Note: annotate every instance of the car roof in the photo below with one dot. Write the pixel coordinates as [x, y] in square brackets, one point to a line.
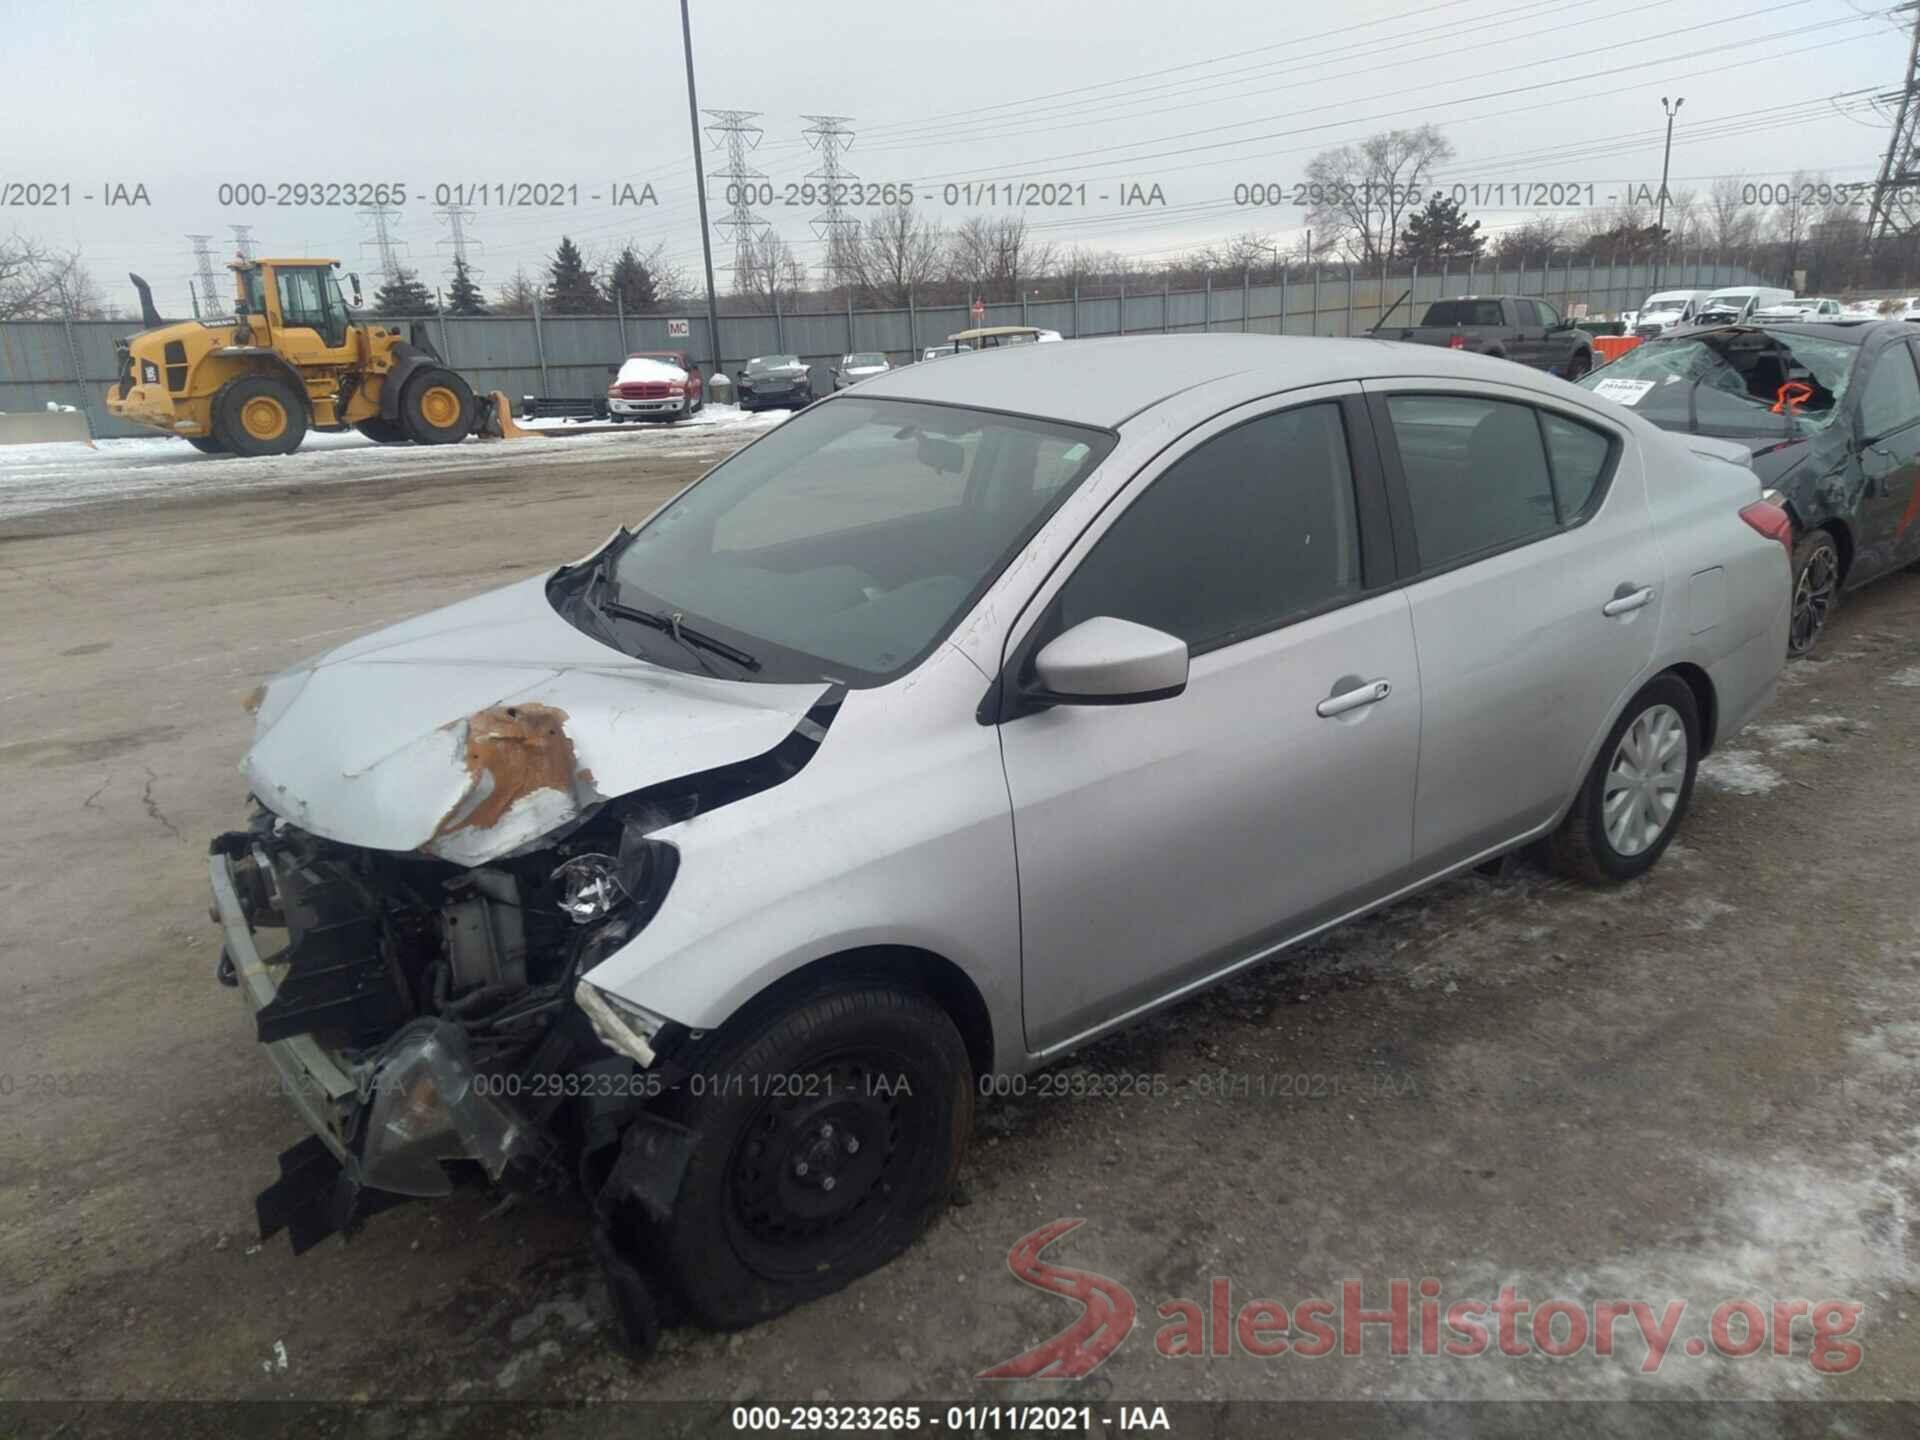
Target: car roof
[1107, 381]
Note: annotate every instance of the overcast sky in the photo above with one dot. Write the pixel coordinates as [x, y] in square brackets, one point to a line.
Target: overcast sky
[1193, 97]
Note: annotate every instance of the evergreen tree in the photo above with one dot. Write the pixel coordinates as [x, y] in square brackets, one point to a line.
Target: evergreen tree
[463, 296]
[1441, 231]
[403, 295]
[630, 284]
[571, 287]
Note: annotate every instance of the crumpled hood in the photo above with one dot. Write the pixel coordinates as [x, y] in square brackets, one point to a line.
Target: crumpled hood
[470, 731]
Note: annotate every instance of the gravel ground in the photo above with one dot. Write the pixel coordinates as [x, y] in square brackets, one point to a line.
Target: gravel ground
[1702, 1087]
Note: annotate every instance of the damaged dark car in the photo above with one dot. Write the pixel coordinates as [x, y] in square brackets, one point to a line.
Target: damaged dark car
[1831, 414]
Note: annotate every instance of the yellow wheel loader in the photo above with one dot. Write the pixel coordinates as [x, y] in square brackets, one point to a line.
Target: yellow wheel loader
[293, 358]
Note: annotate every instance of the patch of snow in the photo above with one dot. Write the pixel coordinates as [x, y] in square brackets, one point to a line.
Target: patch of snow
[640, 368]
[1907, 679]
[1738, 771]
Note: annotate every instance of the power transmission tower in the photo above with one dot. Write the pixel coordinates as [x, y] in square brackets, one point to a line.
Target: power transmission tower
[458, 240]
[385, 246]
[242, 240]
[830, 137]
[734, 130]
[210, 300]
[1896, 204]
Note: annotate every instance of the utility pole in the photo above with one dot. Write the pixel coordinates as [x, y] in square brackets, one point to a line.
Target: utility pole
[700, 188]
[209, 286]
[735, 130]
[242, 240]
[1893, 209]
[829, 135]
[1665, 158]
[458, 240]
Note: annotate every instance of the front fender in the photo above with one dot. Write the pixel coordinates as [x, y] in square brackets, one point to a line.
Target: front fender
[897, 833]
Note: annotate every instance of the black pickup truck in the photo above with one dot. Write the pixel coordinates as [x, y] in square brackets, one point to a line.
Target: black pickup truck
[1513, 327]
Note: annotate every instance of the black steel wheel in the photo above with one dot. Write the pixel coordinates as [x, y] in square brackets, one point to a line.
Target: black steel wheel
[830, 1131]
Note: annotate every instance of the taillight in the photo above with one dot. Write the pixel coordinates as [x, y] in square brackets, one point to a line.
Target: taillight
[1456, 342]
[1769, 516]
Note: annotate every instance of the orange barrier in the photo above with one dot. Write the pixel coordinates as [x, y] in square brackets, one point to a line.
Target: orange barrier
[1614, 346]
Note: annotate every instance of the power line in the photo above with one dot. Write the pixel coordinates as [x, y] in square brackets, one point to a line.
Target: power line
[209, 297]
[242, 240]
[385, 246]
[735, 131]
[1893, 197]
[458, 240]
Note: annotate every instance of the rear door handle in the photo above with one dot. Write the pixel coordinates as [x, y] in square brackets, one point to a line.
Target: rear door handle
[1372, 693]
[1633, 600]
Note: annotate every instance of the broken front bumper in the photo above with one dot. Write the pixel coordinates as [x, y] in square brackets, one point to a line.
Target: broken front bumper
[319, 1087]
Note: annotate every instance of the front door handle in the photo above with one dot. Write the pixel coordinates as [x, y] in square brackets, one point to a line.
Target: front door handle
[1371, 693]
[1621, 603]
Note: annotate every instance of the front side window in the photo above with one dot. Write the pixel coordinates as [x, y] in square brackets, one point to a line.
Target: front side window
[1476, 474]
[845, 543]
[300, 302]
[1891, 400]
[1254, 526]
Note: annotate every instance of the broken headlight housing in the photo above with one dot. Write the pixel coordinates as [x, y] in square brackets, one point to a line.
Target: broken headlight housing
[427, 1108]
[592, 887]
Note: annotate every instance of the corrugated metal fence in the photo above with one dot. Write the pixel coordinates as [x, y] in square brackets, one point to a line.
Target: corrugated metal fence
[571, 356]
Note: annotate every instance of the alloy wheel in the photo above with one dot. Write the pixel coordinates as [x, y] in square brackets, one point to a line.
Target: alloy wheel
[1813, 598]
[1644, 780]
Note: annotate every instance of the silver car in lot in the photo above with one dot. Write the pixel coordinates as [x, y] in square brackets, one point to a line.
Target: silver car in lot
[864, 365]
[953, 723]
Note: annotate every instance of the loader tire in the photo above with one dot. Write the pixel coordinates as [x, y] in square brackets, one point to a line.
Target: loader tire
[437, 408]
[383, 432]
[259, 415]
[207, 445]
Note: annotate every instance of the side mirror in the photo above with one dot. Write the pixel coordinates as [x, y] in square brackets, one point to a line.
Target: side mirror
[1108, 661]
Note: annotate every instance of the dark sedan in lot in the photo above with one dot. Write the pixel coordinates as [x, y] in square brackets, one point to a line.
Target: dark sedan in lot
[1831, 413]
[775, 381]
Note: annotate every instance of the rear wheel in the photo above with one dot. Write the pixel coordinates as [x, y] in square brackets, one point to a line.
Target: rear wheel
[1816, 589]
[830, 1132]
[206, 445]
[437, 407]
[1636, 794]
[259, 415]
[383, 432]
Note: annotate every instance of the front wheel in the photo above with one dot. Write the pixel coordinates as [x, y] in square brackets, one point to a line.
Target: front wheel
[1579, 365]
[437, 408]
[1816, 589]
[207, 445]
[1634, 797]
[830, 1132]
[382, 432]
[259, 415]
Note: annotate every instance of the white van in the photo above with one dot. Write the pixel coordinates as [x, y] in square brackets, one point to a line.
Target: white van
[1738, 302]
[1668, 309]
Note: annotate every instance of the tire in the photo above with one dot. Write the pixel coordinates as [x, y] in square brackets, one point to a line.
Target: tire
[1816, 590]
[616, 417]
[383, 432]
[436, 407]
[207, 445]
[259, 415]
[800, 1102]
[1579, 365]
[699, 404]
[1586, 847]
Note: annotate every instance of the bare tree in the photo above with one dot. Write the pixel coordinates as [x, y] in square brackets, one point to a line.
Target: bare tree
[1792, 218]
[772, 279]
[1727, 220]
[996, 257]
[38, 282]
[518, 295]
[897, 254]
[1531, 243]
[1363, 193]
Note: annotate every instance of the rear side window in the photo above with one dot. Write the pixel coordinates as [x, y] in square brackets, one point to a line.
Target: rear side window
[1476, 474]
[1578, 457]
[1250, 528]
[1891, 400]
[1463, 312]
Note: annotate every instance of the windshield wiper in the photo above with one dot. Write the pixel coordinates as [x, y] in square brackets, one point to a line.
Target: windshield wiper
[689, 638]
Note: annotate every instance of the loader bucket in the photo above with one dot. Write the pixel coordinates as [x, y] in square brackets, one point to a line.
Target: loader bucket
[495, 420]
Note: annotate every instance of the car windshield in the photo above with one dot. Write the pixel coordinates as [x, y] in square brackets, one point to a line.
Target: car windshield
[846, 543]
[856, 362]
[761, 364]
[1656, 307]
[1731, 382]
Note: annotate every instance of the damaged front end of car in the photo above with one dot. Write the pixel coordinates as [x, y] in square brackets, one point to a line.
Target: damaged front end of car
[427, 1012]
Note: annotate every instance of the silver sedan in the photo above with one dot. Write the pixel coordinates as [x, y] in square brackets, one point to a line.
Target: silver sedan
[958, 720]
